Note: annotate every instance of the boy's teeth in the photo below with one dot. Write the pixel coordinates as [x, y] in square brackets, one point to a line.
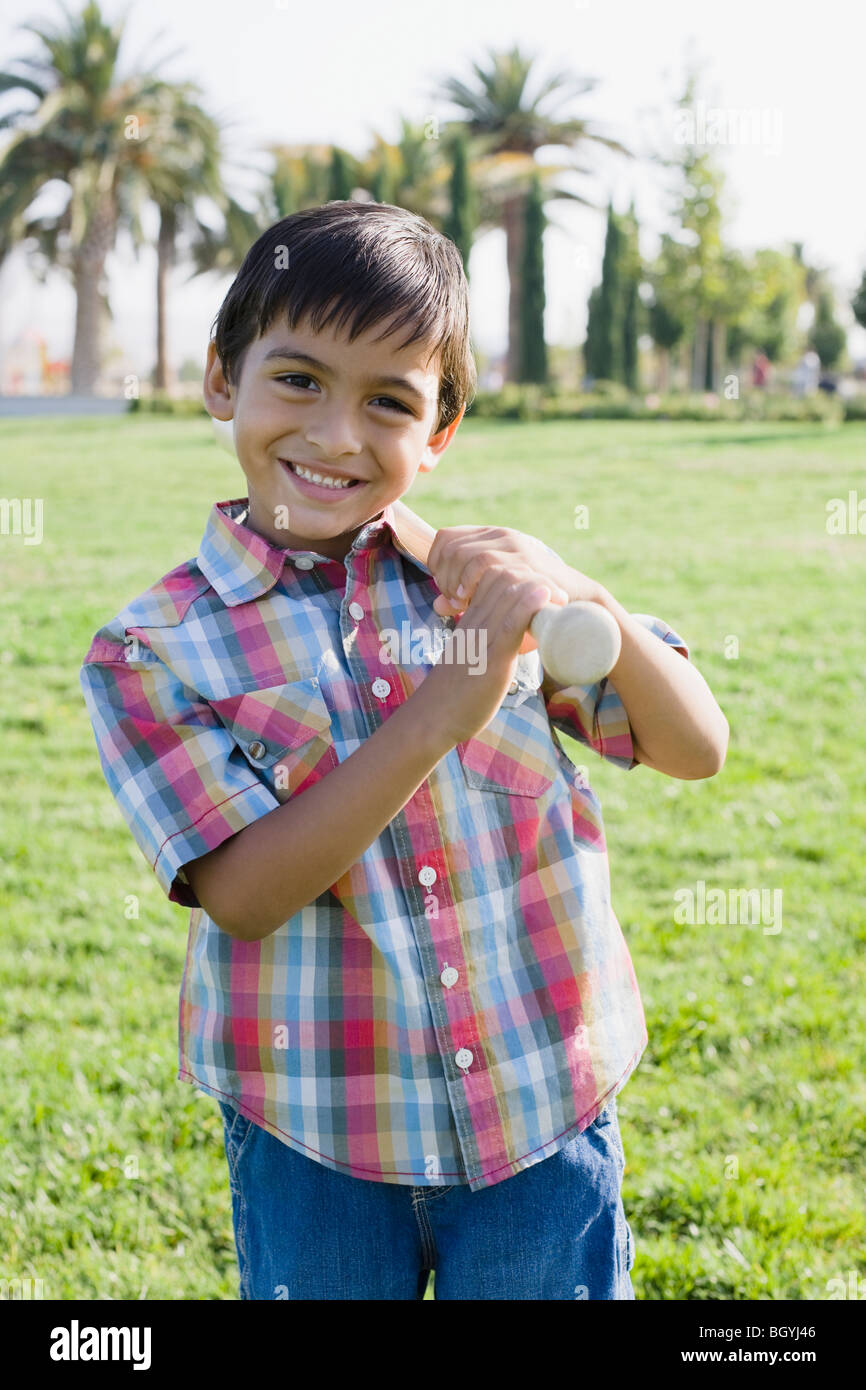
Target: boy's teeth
[317, 478]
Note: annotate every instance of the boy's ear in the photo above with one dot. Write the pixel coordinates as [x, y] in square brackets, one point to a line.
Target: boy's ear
[216, 390]
[438, 443]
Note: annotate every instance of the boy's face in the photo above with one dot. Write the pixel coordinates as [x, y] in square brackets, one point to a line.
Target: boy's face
[336, 415]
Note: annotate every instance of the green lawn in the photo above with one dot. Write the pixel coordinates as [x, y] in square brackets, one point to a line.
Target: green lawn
[743, 1124]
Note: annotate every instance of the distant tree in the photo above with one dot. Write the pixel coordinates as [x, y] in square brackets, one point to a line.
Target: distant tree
[768, 322]
[461, 217]
[604, 350]
[380, 184]
[615, 309]
[509, 124]
[632, 307]
[340, 180]
[180, 166]
[101, 134]
[591, 342]
[812, 274]
[666, 329]
[703, 282]
[412, 173]
[826, 336]
[301, 178]
[858, 303]
[533, 352]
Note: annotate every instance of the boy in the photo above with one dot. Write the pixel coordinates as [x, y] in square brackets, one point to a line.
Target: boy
[405, 984]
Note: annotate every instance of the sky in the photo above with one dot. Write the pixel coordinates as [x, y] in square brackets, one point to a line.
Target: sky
[279, 71]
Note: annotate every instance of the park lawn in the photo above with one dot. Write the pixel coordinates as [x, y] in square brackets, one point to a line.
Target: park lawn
[742, 1124]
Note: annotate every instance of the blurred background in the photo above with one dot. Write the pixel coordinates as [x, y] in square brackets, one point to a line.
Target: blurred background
[661, 200]
[661, 214]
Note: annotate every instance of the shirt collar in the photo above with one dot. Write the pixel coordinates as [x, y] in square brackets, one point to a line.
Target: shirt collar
[241, 565]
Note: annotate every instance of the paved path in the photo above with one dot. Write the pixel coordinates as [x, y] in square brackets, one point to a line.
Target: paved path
[63, 405]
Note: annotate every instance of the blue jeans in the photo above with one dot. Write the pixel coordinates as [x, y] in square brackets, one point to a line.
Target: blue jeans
[556, 1230]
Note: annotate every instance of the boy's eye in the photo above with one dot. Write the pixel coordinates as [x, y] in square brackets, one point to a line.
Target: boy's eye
[294, 377]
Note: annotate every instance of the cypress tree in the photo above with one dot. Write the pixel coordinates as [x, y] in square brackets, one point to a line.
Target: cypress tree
[858, 303]
[339, 177]
[590, 347]
[379, 184]
[614, 309]
[533, 351]
[604, 348]
[460, 220]
[631, 302]
[826, 336]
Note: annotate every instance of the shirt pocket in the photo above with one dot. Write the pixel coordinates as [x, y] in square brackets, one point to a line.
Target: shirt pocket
[283, 732]
[515, 753]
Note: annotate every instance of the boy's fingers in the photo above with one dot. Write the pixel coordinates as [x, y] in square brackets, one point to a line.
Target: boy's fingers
[443, 606]
[459, 601]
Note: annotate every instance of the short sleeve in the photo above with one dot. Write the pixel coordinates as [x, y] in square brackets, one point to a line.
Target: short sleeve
[174, 770]
[594, 714]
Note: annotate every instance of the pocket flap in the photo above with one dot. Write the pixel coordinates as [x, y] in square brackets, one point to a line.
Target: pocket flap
[270, 722]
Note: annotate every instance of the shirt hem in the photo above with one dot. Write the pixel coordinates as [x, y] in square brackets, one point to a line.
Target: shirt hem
[407, 1177]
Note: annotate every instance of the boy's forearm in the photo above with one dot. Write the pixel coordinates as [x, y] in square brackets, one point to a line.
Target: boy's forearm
[676, 722]
[269, 870]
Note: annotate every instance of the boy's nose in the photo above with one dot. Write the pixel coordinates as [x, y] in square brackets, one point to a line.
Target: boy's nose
[335, 439]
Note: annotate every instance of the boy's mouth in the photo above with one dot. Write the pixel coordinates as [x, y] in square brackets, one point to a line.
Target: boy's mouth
[329, 485]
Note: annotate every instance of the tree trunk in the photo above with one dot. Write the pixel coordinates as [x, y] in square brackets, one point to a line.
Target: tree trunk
[664, 371]
[514, 221]
[88, 276]
[164, 262]
[720, 334]
[699, 355]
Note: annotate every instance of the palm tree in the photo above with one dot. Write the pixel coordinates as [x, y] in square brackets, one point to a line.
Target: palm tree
[411, 172]
[112, 140]
[508, 126]
[178, 162]
[300, 178]
[75, 134]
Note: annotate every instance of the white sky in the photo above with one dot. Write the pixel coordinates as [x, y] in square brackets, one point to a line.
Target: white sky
[285, 71]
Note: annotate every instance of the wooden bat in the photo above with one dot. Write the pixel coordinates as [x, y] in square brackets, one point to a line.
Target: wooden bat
[578, 643]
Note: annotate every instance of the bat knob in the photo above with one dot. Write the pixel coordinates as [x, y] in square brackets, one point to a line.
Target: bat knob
[578, 643]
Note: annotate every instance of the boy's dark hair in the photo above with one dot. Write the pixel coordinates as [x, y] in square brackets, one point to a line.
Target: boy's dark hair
[358, 263]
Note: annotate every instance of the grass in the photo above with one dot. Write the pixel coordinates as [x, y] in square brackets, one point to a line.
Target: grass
[742, 1125]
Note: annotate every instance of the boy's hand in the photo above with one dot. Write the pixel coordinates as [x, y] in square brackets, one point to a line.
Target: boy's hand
[462, 696]
[461, 555]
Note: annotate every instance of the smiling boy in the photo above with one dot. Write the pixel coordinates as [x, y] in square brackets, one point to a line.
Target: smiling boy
[276, 429]
[405, 983]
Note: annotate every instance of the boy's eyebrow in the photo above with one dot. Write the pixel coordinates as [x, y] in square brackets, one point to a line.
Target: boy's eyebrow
[399, 381]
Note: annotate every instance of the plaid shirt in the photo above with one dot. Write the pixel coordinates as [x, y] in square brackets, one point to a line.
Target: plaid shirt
[461, 1003]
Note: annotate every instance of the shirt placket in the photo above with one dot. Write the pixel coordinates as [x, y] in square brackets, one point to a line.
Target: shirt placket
[422, 865]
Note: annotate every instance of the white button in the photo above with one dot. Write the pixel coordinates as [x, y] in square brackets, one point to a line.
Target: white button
[380, 688]
[513, 688]
[257, 749]
[304, 562]
[463, 1058]
[449, 976]
[356, 610]
[427, 875]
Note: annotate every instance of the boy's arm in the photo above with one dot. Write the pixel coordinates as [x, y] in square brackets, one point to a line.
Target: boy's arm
[677, 725]
[255, 881]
